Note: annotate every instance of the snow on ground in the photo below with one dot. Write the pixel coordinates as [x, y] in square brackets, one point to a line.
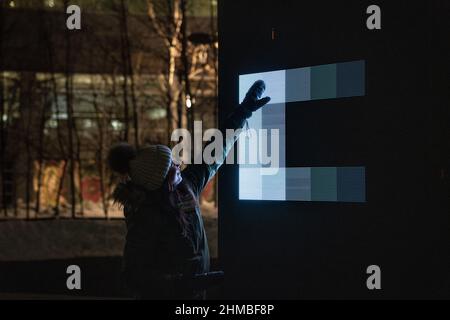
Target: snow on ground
[90, 210]
[60, 239]
[25, 240]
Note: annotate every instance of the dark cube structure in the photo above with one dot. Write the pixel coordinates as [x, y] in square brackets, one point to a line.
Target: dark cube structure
[398, 130]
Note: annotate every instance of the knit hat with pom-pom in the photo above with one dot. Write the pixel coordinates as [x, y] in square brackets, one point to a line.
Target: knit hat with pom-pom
[147, 167]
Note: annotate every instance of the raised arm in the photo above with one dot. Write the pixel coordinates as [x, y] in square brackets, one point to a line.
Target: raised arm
[200, 174]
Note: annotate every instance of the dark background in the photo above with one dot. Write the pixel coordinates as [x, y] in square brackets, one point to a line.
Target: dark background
[272, 249]
[342, 143]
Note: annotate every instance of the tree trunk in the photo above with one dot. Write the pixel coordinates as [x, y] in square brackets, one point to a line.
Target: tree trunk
[70, 120]
[2, 122]
[26, 108]
[80, 173]
[169, 31]
[124, 73]
[213, 27]
[128, 68]
[60, 188]
[40, 159]
[100, 156]
[186, 67]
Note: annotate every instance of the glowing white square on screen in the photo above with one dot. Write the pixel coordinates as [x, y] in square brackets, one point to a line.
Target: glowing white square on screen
[275, 85]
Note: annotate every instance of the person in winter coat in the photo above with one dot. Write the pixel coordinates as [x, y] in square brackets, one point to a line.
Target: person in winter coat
[166, 248]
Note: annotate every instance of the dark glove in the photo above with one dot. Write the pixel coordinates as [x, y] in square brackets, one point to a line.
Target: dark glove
[252, 100]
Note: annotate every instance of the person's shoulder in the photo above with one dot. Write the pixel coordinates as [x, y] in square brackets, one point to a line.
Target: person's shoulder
[197, 175]
[188, 176]
[186, 173]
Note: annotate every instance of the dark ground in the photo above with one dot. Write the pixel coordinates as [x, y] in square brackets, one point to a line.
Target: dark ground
[34, 256]
[100, 279]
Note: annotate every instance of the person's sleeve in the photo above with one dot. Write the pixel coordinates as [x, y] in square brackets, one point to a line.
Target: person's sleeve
[200, 174]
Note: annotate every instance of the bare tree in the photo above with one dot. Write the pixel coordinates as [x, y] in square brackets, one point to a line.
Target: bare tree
[70, 120]
[140, 72]
[168, 28]
[185, 62]
[128, 72]
[102, 127]
[40, 152]
[12, 85]
[2, 118]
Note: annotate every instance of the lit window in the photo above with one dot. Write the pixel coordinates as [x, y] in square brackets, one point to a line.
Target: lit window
[52, 123]
[88, 123]
[117, 125]
[157, 113]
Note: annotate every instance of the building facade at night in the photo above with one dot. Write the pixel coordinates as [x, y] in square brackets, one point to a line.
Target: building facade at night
[68, 95]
